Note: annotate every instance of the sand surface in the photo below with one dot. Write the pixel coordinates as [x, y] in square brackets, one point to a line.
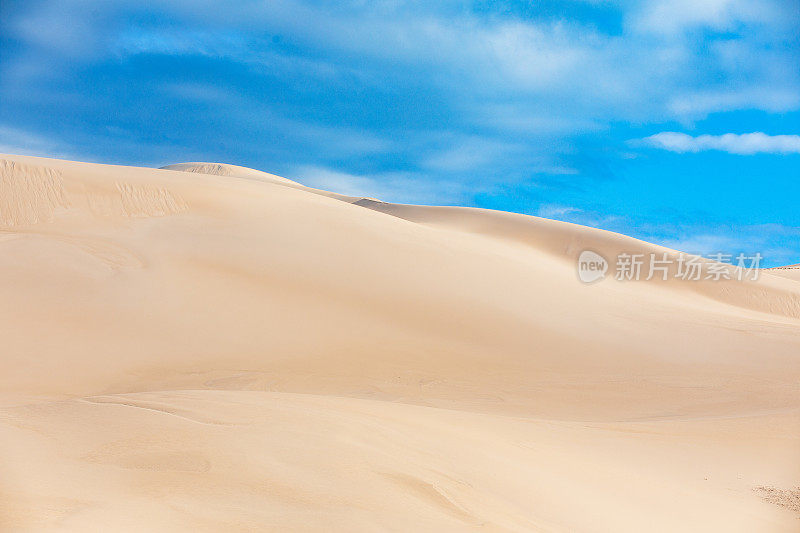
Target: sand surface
[790, 272]
[213, 348]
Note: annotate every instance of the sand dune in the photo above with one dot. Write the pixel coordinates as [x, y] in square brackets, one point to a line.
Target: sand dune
[209, 347]
[789, 272]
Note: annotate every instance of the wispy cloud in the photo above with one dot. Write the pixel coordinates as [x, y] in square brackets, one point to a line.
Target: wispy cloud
[483, 61]
[470, 153]
[698, 103]
[556, 211]
[398, 187]
[675, 16]
[741, 144]
[20, 142]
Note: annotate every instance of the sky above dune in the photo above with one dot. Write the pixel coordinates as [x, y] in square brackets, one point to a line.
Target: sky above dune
[674, 121]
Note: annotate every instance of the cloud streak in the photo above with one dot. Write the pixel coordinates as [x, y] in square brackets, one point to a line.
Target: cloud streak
[740, 144]
[397, 187]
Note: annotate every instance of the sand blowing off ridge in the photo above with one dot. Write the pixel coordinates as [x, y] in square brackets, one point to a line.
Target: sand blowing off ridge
[213, 348]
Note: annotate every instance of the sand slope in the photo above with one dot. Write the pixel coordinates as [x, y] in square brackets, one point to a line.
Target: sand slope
[790, 272]
[207, 347]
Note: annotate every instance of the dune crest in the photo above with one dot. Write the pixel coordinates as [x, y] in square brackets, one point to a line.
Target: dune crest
[212, 347]
[222, 169]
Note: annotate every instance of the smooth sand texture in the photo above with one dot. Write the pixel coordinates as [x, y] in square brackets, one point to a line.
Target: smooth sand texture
[211, 348]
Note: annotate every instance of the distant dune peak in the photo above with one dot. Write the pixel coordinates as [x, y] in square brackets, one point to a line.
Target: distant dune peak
[224, 169]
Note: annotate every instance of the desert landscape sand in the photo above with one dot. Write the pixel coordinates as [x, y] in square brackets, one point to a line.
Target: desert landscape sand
[212, 348]
[791, 271]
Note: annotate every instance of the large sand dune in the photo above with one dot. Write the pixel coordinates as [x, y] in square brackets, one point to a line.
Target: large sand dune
[212, 348]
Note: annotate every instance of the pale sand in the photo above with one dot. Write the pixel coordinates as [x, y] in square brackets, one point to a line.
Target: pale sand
[184, 351]
[791, 272]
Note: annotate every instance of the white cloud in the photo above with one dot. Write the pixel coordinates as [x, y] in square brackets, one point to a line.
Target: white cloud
[471, 153]
[776, 98]
[14, 141]
[207, 43]
[704, 244]
[480, 62]
[398, 187]
[556, 211]
[672, 16]
[335, 181]
[742, 144]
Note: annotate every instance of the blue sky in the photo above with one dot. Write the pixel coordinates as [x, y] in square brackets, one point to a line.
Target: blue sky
[675, 121]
